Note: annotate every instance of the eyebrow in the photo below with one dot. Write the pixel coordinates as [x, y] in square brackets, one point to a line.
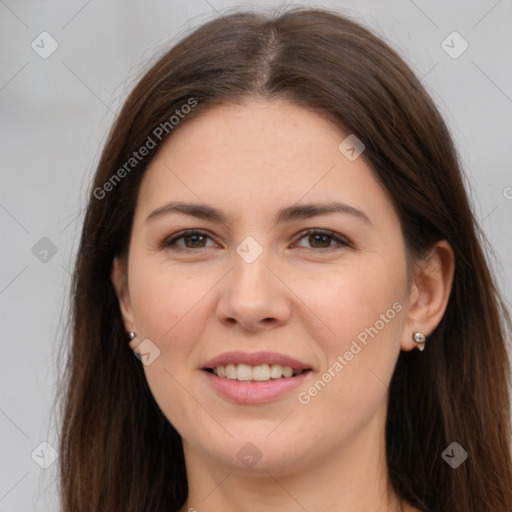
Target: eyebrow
[294, 212]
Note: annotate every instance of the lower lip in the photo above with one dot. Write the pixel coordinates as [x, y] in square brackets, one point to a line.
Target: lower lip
[254, 392]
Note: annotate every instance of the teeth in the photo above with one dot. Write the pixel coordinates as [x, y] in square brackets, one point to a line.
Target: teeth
[231, 371]
[243, 372]
[276, 370]
[262, 372]
[287, 371]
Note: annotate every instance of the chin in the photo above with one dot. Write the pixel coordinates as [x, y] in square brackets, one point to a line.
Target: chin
[258, 454]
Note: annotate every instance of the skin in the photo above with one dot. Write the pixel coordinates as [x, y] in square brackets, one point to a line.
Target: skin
[304, 297]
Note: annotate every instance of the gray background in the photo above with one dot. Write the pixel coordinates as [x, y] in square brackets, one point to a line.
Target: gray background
[55, 116]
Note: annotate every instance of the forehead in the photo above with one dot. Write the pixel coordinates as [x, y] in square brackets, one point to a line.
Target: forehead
[256, 157]
[275, 132]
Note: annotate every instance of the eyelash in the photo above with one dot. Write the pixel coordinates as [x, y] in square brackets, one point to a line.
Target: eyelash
[342, 242]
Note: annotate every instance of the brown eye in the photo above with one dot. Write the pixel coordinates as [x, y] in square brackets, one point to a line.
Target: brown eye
[194, 241]
[320, 239]
[188, 240]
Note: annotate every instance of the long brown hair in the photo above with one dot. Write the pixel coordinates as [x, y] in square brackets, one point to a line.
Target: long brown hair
[118, 451]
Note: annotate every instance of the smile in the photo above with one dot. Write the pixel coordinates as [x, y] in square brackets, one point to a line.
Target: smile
[255, 378]
[259, 373]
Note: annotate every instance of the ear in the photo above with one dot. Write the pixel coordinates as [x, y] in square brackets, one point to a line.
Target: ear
[119, 279]
[429, 293]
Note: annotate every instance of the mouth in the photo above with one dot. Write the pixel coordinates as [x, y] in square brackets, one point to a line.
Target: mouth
[255, 378]
[258, 373]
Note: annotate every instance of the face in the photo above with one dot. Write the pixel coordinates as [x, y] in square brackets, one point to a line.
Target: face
[259, 250]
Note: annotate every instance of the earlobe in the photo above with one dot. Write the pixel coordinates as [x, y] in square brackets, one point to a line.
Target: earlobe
[118, 277]
[430, 293]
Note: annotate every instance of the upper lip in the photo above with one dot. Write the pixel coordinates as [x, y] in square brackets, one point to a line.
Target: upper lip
[255, 359]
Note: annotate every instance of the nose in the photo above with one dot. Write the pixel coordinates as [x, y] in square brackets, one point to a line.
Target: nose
[252, 297]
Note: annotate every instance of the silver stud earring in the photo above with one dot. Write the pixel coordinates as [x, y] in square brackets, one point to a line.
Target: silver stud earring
[132, 335]
[420, 339]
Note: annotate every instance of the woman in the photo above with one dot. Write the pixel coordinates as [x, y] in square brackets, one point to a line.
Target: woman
[279, 231]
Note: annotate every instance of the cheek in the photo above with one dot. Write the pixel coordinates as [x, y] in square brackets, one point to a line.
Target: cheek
[170, 310]
[363, 307]
[164, 300]
[351, 300]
